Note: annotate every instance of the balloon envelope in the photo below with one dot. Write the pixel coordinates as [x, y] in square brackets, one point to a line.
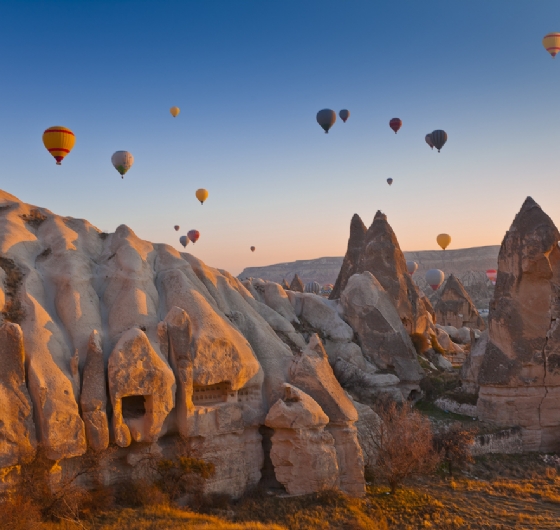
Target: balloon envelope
[312, 287]
[176, 228]
[201, 195]
[411, 266]
[395, 124]
[326, 290]
[439, 138]
[435, 278]
[492, 275]
[174, 111]
[193, 235]
[252, 249]
[184, 240]
[58, 141]
[344, 115]
[551, 43]
[443, 240]
[326, 118]
[428, 139]
[122, 160]
[389, 181]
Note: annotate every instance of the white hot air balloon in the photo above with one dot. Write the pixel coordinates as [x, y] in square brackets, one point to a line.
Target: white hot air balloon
[122, 160]
[411, 267]
[435, 278]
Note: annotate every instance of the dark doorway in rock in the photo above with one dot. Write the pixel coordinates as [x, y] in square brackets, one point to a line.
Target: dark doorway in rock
[133, 406]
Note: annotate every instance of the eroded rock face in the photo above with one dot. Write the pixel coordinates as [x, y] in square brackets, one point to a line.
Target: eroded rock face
[302, 453]
[141, 387]
[383, 338]
[18, 442]
[455, 307]
[380, 254]
[519, 376]
[178, 347]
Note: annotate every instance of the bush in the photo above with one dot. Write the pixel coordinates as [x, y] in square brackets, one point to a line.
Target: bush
[454, 443]
[403, 440]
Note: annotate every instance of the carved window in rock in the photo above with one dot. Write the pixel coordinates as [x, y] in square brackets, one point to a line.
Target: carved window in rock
[211, 394]
[249, 394]
[133, 406]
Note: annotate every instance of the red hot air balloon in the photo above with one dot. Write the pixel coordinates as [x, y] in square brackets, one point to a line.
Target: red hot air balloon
[193, 235]
[252, 249]
[176, 228]
[428, 139]
[492, 274]
[395, 124]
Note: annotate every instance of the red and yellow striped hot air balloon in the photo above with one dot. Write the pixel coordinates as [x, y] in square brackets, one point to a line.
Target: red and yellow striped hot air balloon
[551, 43]
[59, 142]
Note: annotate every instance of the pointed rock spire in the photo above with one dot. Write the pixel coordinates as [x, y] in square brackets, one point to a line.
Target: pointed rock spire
[351, 259]
[297, 284]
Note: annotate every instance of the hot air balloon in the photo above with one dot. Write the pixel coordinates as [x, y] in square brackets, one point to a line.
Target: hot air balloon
[176, 228]
[326, 119]
[252, 249]
[389, 181]
[326, 290]
[443, 240]
[428, 139]
[193, 235]
[435, 278]
[492, 274]
[312, 287]
[344, 115]
[174, 111]
[411, 266]
[201, 195]
[395, 124]
[184, 240]
[122, 160]
[439, 138]
[551, 43]
[58, 141]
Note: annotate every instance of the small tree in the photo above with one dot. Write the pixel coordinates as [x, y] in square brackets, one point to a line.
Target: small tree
[404, 444]
[454, 443]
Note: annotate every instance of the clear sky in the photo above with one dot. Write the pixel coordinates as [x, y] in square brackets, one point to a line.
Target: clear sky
[249, 77]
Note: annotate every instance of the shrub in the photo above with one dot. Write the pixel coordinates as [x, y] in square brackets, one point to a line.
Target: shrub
[403, 440]
[454, 443]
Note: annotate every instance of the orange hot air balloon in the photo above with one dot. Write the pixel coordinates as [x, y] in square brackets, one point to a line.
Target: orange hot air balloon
[174, 111]
[443, 240]
[395, 124]
[252, 249]
[201, 195]
[551, 43]
[58, 141]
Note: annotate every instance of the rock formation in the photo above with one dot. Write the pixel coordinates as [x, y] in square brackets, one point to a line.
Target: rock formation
[455, 307]
[381, 255]
[519, 375]
[153, 344]
[297, 284]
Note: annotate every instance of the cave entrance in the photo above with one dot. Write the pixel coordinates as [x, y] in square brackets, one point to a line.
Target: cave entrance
[133, 406]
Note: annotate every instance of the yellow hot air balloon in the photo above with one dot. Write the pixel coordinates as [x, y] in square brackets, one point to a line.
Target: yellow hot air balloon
[59, 142]
[551, 43]
[201, 195]
[174, 111]
[443, 240]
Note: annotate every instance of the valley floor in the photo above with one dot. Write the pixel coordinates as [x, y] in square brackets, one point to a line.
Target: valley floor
[497, 492]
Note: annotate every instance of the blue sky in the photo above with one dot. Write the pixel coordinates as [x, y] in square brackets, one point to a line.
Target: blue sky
[249, 77]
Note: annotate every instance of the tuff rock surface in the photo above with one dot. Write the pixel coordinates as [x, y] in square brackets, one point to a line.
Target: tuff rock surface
[107, 339]
[519, 374]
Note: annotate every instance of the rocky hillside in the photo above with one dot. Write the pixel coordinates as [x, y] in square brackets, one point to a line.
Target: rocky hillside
[110, 340]
[469, 265]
